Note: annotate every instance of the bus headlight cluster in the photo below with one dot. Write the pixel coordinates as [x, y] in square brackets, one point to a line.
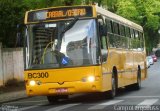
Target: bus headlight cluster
[33, 83]
[91, 78]
[88, 79]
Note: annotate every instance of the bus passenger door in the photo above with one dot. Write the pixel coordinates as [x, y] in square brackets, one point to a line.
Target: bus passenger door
[105, 63]
[106, 79]
[104, 54]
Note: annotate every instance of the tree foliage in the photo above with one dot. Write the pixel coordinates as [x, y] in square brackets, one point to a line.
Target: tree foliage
[142, 12]
[128, 10]
[11, 14]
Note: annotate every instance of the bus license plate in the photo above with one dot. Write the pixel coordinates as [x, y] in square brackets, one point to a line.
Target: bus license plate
[61, 90]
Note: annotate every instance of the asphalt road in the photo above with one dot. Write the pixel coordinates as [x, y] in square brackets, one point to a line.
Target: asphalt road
[145, 99]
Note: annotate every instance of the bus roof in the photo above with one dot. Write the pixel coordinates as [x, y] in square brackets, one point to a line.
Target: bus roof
[85, 11]
[118, 18]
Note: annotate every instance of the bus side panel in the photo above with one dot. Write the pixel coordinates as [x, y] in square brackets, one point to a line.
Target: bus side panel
[115, 58]
[106, 77]
[139, 60]
[128, 76]
[143, 66]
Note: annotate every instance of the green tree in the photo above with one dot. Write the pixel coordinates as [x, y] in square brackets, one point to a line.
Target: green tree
[139, 11]
[142, 12]
[111, 5]
[11, 14]
[127, 9]
[34, 4]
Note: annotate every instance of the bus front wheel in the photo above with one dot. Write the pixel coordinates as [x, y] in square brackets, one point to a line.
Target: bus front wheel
[112, 93]
[52, 99]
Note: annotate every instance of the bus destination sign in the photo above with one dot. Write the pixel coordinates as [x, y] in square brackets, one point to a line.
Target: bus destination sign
[59, 13]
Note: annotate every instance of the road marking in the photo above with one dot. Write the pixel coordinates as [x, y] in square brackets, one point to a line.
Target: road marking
[139, 97]
[28, 101]
[59, 108]
[148, 102]
[103, 105]
[30, 107]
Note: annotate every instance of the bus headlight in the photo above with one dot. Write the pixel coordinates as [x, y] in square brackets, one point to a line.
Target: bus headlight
[32, 83]
[91, 78]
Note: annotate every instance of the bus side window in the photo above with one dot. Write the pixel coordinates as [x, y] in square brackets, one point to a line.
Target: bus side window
[102, 26]
[117, 39]
[104, 48]
[132, 33]
[116, 28]
[141, 40]
[128, 32]
[110, 35]
[103, 39]
[136, 35]
[128, 35]
[123, 38]
[122, 30]
[108, 25]
[133, 44]
[137, 40]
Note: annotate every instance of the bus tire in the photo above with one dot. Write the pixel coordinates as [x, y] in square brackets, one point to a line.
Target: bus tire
[137, 85]
[113, 91]
[52, 99]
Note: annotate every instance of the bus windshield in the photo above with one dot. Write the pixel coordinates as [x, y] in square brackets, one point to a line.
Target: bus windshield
[51, 45]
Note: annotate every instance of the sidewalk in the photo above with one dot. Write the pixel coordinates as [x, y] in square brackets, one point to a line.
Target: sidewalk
[11, 96]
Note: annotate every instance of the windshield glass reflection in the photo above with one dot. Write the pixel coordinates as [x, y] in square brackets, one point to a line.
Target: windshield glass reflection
[49, 47]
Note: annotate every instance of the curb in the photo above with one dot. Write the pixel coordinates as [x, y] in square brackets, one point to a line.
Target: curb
[12, 96]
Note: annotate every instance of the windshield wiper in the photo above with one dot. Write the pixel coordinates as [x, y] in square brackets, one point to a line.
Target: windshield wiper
[69, 26]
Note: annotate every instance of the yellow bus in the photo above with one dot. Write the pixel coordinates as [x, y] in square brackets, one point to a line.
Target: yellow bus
[81, 49]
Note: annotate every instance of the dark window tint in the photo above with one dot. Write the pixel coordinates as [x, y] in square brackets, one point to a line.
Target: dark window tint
[136, 34]
[103, 43]
[128, 32]
[104, 48]
[122, 30]
[116, 28]
[109, 25]
[141, 36]
[132, 33]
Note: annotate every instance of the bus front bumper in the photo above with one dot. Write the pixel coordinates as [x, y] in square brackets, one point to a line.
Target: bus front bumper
[65, 88]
